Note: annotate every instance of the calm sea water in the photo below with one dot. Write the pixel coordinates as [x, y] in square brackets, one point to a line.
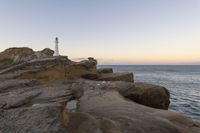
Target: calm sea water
[183, 82]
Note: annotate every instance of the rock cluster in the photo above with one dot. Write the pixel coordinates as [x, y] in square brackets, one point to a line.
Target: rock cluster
[17, 55]
[57, 95]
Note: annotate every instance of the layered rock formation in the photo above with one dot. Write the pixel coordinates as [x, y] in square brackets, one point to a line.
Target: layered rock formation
[56, 95]
[17, 55]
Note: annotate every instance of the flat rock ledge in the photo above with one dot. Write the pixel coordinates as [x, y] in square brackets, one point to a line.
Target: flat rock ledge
[116, 77]
[46, 94]
[105, 70]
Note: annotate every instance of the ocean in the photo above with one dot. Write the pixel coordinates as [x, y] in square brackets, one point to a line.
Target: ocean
[183, 82]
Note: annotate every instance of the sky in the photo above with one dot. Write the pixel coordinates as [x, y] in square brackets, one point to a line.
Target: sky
[121, 32]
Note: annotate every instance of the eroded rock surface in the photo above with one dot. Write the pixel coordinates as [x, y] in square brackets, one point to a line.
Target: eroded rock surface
[49, 95]
[22, 54]
[37, 119]
[102, 102]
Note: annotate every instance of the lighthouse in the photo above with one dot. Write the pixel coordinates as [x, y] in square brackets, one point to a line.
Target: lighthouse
[56, 47]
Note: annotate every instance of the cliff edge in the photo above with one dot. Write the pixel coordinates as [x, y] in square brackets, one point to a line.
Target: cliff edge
[41, 93]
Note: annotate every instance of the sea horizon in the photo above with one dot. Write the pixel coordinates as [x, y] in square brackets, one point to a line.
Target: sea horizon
[149, 65]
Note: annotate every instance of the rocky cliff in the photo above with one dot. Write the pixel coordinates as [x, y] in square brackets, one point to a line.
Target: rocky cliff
[40, 93]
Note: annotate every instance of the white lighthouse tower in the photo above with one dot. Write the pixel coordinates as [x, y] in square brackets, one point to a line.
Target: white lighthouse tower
[56, 47]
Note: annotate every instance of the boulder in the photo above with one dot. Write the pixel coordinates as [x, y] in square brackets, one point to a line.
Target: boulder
[149, 95]
[116, 77]
[105, 70]
[92, 59]
[47, 52]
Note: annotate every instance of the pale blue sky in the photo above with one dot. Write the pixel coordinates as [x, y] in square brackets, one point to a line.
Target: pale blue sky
[113, 31]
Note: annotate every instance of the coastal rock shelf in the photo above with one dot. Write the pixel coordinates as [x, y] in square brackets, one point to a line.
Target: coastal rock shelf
[41, 93]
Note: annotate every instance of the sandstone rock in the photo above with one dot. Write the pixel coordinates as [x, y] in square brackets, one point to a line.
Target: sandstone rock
[28, 96]
[22, 54]
[38, 119]
[15, 99]
[54, 69]
[105, 70]
[77, 90]
[88, 64]
[116, 77]
[91, 76]
[100, 109]
[15, 55]
[142, 93]
[47, 51]
[44, 94]
[80, 122]
[129, 116]
[10, 85]
[150, 95]
[92, 59]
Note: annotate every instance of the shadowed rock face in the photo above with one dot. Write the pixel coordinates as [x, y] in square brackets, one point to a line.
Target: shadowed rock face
[116, 77]
[105, 70]
[46, 95]
[149, 95]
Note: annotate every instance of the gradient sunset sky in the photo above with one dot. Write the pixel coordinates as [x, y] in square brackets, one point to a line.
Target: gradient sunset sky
[112, 31]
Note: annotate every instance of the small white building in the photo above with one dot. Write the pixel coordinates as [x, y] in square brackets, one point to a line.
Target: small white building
[56, 47]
